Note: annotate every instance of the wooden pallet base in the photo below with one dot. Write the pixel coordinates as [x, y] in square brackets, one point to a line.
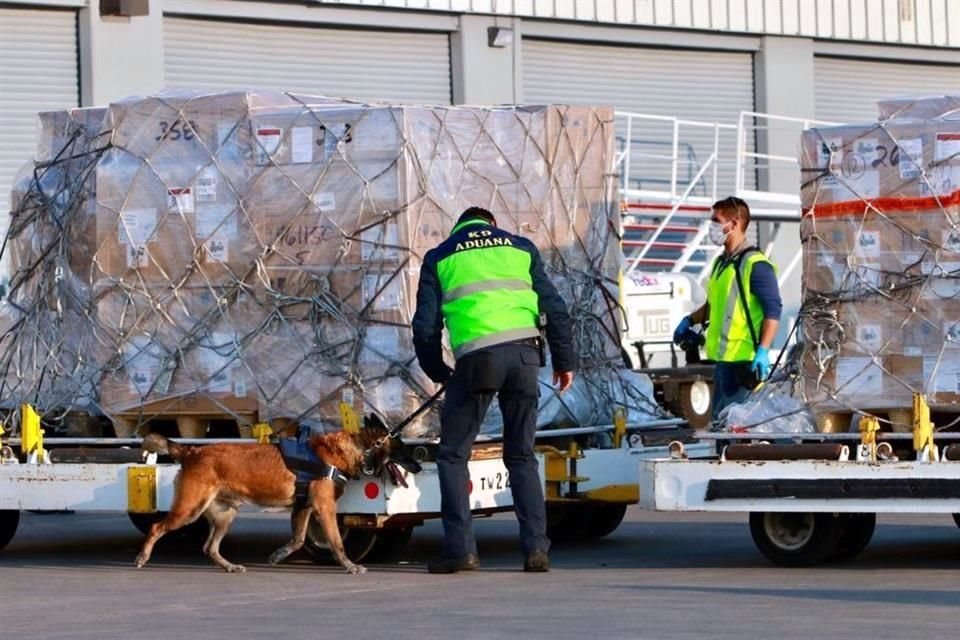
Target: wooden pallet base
[197, 426]
[899, 420]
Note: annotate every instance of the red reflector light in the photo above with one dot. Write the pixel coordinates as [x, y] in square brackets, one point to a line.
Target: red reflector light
[371, 490]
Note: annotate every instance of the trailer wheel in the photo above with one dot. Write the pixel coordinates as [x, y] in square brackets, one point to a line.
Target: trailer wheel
[856, 530]
[568, 521]
[696, 402]
[390, 543]
[795, 539]
[197, 530]
[359, 543]
[604, 519]
[9, 519]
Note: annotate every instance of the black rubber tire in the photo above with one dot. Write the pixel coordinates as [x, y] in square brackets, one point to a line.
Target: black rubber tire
[568, 521]
[604, 519]
[817, 537]
[194, 531]
[358, 543]
[390, 543]
[697, 420]
[9, 520]
[856, 531]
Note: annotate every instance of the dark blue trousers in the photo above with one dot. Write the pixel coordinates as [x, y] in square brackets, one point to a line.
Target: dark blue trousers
[727, 389]
[509, 371]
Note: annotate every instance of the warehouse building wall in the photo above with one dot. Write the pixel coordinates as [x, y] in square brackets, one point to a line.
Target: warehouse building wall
[364, 51]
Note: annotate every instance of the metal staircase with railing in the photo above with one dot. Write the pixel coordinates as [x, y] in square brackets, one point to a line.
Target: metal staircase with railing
[672, 170]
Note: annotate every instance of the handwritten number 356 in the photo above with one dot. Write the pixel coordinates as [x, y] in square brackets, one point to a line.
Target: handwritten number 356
[178, 131]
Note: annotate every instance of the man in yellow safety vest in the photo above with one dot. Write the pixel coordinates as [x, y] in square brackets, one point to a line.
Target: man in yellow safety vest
[742, 312]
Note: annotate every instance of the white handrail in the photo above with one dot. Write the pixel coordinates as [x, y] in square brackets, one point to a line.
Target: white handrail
[673, 211]
[783, 208]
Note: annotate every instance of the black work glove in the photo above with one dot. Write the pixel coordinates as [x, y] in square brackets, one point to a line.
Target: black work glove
[440, 375]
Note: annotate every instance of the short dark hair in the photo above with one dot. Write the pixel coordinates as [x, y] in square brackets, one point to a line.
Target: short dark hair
[477, 212]
[737, 206]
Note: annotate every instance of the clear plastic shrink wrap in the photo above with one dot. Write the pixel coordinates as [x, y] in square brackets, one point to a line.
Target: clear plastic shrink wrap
[256, 255]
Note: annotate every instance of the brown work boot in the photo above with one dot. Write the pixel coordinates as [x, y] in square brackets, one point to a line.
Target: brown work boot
[537, 562]
[468, 562]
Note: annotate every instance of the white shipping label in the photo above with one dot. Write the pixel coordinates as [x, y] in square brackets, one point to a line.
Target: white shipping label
[951, 240]
[325, 201]
[831, 154]
[215, 220]
[217, 249]
[386, 293]
[333, 135]
[870, 336]
[388, 395]
[381, 344]
[942, 375]
[180, 200]
[826, 258]
[240, 388]
[217, 356]
[207, 179]
[301, 145]
[948, 147]
[941, 180]
[137, 226]
[911, 158]
[142, 359]
[346, 396]
[221, 381]
[859, 377]
[868, 243]
[863, 185]
[951, 334]
[866, 149]
[268, 141]
[142, 379]
[373, 239]
[944, 282]
[869, 274]
[138, 257]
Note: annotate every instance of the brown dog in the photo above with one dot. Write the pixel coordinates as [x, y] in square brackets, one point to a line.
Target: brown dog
[214, 480]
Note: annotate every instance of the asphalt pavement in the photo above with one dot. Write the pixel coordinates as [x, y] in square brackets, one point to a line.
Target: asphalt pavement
[657, 576]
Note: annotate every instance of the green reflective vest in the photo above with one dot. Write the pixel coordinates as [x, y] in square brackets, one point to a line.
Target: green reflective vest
[488, 295]
[728, 335]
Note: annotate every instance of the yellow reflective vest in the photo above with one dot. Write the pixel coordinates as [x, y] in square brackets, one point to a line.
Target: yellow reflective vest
[729, 335]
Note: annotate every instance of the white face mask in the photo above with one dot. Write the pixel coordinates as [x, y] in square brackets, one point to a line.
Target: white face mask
[717, 235]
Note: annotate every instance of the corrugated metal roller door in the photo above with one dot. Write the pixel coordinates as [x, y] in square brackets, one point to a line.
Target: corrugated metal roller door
[358, 64]
[847, 90]
[38, 72]
[710, 86]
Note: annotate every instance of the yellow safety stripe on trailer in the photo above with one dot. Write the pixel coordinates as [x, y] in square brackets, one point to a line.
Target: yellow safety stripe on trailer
[142, 489]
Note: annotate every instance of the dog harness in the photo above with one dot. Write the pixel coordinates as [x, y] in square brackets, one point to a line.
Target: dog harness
[304, 463]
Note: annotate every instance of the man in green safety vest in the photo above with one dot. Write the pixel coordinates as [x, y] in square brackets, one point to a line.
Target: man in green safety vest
[490, 289]
[743, 307]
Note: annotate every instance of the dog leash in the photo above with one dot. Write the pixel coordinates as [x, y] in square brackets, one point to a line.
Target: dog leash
[394, 433]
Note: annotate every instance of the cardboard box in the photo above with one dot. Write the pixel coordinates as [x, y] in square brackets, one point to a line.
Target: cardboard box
[294, 227]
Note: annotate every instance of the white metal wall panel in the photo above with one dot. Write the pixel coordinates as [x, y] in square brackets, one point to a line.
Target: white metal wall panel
[711, 86]
[360, 64]
[38, 72]
[847, 90]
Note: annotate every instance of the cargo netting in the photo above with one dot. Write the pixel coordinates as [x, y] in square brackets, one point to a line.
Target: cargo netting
[254, 256]
[880, 318]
